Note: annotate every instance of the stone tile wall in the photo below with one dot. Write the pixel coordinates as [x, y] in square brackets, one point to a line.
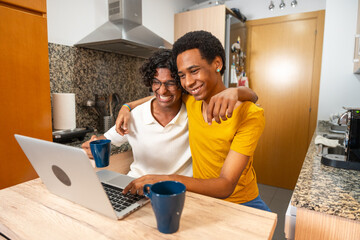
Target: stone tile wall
[88, 72]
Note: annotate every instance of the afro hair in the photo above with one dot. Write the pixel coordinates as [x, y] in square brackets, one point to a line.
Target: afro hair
[208, 45]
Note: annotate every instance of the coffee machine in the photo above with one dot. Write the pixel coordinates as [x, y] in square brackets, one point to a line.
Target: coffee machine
[351, 158]
[353, 135]
[348, 155]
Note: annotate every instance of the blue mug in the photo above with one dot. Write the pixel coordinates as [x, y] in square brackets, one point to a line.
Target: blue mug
[167, 200]
[100, 150]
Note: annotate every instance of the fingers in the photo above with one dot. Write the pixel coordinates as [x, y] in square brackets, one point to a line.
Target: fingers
[89, 154]
[134, 187]
[217, 109]
[86, 146]
[221, 105]
[230, 108]
[122, 121]
[137, 185]
[93, 138]
[119, 122]
[210, 110]
[125, 125]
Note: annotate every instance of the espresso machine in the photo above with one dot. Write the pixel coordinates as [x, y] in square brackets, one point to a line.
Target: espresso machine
[353, 135]
[351, 159]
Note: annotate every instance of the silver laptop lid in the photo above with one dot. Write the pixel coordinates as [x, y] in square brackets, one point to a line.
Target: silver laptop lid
[67, 172]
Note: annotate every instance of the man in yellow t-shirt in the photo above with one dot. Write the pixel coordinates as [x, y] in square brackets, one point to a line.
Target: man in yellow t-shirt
[222, 153]
[210, 145]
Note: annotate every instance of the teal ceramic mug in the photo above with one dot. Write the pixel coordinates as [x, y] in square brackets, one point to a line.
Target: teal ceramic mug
[167, 200]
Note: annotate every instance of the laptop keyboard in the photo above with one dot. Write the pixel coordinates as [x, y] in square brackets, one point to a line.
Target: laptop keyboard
[119, 200]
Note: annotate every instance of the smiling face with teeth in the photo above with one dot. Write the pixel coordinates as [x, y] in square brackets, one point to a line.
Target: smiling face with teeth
[198, 76]
[166, 98]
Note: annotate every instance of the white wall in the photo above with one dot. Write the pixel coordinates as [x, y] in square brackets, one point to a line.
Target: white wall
[256, 9]
[158, 16]
[338, 85]
[69, 21]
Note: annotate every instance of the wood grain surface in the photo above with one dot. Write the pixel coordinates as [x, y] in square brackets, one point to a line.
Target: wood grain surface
[29, 211]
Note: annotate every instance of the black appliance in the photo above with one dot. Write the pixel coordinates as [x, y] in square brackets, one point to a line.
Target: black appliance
[70, 135]
[353, 148]
[351, 159]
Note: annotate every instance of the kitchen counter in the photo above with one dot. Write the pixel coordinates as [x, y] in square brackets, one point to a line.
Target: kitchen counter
[325, 189]
[326, 201]
[114, 149]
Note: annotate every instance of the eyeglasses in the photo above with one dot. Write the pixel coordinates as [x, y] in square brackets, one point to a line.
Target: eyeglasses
[169, 85]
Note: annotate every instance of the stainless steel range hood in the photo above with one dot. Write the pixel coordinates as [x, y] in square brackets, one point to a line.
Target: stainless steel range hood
[124, 32]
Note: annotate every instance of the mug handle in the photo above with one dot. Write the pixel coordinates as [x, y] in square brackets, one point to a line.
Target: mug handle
[146, 190]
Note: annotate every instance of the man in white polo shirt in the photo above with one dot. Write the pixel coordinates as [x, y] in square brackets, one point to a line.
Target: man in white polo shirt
[159, 127]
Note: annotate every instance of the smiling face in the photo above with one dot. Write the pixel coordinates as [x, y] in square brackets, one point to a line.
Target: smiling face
[166, 97]
[197, 76]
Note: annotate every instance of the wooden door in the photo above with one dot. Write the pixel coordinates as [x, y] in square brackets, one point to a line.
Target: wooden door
[24, 89]
[284, 57]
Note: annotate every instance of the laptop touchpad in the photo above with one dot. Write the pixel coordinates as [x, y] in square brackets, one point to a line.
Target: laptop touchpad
[121, 181]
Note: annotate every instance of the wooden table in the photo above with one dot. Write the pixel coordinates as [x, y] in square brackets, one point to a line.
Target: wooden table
[30, 211]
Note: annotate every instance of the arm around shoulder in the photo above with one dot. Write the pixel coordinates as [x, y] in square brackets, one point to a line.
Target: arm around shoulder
[122, 120]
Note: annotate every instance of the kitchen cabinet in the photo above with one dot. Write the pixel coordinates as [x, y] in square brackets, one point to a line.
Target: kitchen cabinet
[357, 44]
[24, 85]
[38, 6]
[210, 19]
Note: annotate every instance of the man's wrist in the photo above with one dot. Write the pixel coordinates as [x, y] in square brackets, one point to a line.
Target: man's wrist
[127, 106]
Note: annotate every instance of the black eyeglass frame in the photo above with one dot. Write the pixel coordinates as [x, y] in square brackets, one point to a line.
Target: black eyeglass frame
[170, 85]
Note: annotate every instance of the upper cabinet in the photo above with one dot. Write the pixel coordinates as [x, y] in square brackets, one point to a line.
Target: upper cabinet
[357, 44]
[35, 5]
[210, 19]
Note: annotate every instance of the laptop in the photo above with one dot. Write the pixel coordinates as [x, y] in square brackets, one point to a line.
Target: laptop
[67, 172]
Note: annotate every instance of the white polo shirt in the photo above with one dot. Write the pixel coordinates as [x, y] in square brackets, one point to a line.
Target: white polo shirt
[156, 149]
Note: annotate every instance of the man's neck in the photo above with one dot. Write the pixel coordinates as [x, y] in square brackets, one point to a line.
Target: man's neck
[219, 87]
[164, 115]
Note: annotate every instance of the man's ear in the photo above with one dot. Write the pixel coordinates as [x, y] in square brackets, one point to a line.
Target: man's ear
[218, 63]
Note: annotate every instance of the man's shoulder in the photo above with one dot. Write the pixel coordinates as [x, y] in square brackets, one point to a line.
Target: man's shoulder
[187, 98]
[144, 106]
[142, 111]
[248, 109]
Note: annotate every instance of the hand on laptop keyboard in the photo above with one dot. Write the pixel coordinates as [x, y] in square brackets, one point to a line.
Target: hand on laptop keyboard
[119, 200]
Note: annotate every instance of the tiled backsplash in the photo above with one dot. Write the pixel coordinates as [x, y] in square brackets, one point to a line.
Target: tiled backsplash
[88, 72]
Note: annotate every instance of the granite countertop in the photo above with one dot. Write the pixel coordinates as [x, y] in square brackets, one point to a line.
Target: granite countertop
[114, 149]
[326, 189]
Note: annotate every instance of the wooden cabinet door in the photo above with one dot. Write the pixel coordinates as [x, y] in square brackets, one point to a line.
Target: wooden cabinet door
[210, 19]
[284, 57]
[35, 5]
[24, 90]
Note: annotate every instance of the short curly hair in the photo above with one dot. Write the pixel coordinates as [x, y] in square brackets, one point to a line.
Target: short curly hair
[208, 45]
[160, 59]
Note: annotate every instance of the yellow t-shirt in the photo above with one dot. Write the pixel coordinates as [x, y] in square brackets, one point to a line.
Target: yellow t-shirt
[210, 144]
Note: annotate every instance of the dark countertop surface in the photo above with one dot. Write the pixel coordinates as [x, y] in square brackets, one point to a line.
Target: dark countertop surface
[114, 149]
[326, 189]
